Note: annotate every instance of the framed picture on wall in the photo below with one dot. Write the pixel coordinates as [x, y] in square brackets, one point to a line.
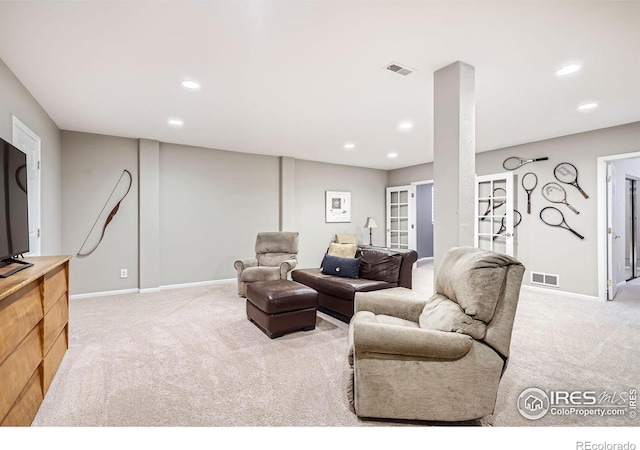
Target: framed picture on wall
[338, 206]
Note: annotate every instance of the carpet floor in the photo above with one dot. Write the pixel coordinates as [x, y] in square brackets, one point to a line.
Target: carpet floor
[190, 358]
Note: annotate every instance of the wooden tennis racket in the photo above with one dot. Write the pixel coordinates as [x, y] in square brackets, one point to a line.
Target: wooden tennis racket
[553, 217]
[492, 204]
[517, 217]
[515, 162]
[567, 173]
[556, 194]
[529, 183]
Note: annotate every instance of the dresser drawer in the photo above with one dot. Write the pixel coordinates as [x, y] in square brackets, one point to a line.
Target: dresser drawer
[54, 322]
[17, 369]
[19, 313]
[26, 407]
[53, 359]
[55, 284]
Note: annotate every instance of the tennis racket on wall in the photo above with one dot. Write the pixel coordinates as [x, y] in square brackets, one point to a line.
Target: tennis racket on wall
[567, 173]
[553, 217]
[529, 183]
[515, 162]
[492, 203]
[556, 194]
[517, 218]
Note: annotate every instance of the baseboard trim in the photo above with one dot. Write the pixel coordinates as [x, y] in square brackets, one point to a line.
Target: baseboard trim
[561, 293]
[195, 284]
[149, 290]
[104, 293]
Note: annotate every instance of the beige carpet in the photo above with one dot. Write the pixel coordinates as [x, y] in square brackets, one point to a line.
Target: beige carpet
[189, 357]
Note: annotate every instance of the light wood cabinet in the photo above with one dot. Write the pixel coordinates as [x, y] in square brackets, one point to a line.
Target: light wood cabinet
[34, 335]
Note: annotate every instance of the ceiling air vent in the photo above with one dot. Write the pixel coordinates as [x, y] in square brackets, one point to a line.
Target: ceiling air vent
[397, 68]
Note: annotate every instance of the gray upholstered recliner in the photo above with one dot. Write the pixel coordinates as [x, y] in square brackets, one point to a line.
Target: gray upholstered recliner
[441, 358]
[276, 256]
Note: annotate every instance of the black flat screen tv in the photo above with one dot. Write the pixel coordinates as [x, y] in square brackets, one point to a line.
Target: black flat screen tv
[14, 208]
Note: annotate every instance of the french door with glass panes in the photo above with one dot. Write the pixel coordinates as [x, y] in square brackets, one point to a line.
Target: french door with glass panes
[495, 215]
[400, 219]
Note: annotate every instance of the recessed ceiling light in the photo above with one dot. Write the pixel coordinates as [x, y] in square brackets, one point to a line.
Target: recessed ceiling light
[587, 106]
[392, 155]
[405, 125]
[191, 85]
[175, 122]
[349, 145]
[568, 70]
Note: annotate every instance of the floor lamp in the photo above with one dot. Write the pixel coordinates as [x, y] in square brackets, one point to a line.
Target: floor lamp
[371, 224]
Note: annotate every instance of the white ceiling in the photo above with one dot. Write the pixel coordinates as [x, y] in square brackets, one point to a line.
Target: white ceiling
[302, 78]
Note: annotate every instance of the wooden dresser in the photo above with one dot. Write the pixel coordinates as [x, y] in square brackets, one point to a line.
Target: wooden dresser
[34, 335]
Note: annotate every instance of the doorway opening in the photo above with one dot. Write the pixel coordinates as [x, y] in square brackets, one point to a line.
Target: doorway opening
[423, 219]
[615, 232]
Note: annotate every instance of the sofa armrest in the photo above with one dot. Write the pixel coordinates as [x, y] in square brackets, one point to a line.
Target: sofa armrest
[397, 302]
[405, 278]
[242, 264]
[373, 337]
[286, 267]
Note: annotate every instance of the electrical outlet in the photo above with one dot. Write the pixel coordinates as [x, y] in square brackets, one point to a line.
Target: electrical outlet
[124, 273]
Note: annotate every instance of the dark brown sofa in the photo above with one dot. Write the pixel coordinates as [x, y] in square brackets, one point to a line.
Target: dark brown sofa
[336, 294]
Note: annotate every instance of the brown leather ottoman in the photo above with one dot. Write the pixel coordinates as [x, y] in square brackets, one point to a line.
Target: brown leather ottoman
[282, 306]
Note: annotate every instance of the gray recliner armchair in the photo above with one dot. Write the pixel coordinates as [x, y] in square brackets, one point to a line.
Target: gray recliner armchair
[442, 358]
[276, 256]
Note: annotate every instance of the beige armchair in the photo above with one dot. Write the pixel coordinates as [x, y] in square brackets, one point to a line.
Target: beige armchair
[276, 256]
[442, 358]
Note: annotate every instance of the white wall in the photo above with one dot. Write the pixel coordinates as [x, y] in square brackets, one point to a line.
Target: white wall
[91, 166]
[16, 100]
[212, 205]
[539, 247]
[368, 197]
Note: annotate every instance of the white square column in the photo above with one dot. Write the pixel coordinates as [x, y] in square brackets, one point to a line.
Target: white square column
[453, 158]
[149, 214]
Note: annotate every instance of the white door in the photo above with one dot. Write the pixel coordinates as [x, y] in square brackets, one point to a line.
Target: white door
[29, 142]
[400, 217]
[612, 279]
[495, 217]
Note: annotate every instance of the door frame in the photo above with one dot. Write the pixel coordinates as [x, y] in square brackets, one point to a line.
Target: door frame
[612, 280]
[411, 193]
[602, 186]
[509, 179]
[33, 198]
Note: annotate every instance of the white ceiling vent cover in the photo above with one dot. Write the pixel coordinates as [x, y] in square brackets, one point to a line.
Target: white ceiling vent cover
[399, 68]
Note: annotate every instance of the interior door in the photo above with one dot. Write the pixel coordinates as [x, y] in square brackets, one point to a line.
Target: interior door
[630, 236]
[495, 214]
[29, 142]
[612, 281]
[400, 217]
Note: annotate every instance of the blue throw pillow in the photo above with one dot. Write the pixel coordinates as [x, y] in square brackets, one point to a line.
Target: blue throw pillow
[341, 267]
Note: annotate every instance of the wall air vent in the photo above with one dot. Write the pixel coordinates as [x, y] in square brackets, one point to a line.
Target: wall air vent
[545, 279]
[402, 70]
